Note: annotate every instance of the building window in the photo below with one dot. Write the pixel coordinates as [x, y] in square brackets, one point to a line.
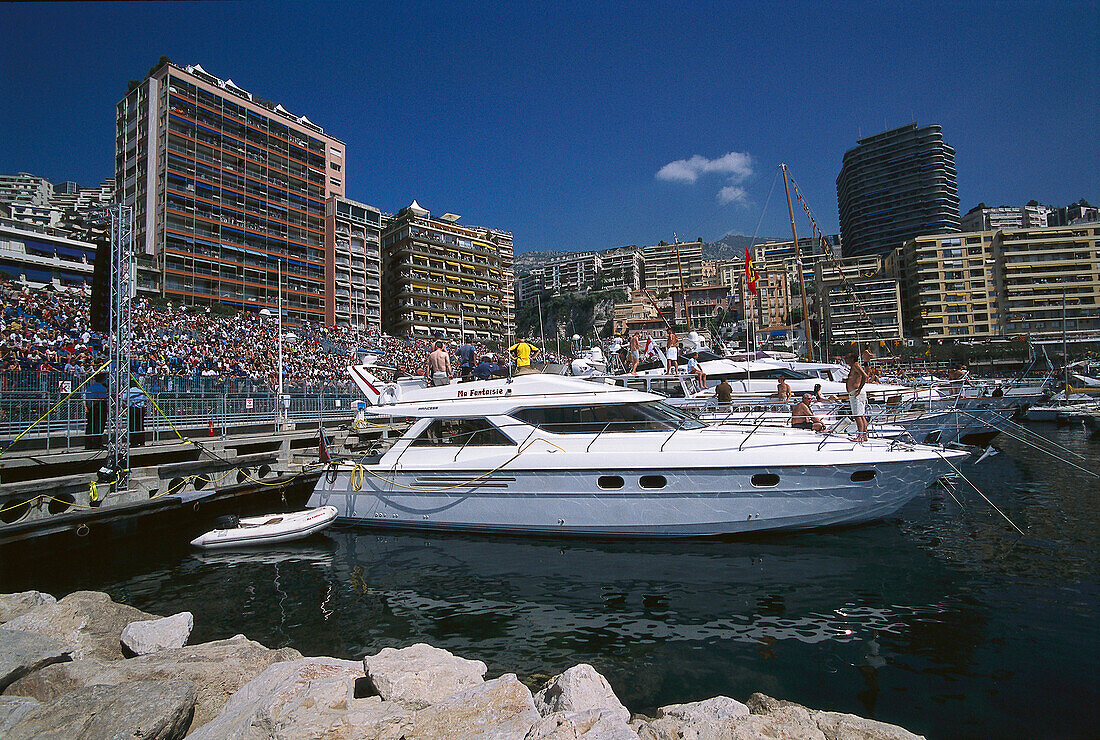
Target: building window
[335, 166]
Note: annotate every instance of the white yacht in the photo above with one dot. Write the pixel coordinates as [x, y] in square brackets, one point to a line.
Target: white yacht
[557, 455]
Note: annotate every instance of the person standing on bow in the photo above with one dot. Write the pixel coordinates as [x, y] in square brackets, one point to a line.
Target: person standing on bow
[671, 351]
[857, 395]
[467, 359]
[523, 351]
[438, 371]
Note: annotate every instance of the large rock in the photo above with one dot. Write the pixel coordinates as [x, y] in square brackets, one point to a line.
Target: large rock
[311, 697]
[716, 709]
[591, 724]
[12, 711]
[218, 668]
[501, 708]
[151, 710]
[143, 638]
[23, 653]
[740, 728]
[14, 605]
[578, 689]
[421, 675]
[88, 622]
[831, 725]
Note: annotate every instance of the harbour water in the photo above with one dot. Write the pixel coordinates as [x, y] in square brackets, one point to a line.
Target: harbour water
[943, 620]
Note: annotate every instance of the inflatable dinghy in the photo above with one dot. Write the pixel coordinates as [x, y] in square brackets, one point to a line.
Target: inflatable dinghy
[268, 529]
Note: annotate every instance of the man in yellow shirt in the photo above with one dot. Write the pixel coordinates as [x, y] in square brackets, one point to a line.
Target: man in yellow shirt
[523, 352]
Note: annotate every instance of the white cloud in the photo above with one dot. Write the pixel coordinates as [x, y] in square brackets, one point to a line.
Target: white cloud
[733, 194]
[736, 165]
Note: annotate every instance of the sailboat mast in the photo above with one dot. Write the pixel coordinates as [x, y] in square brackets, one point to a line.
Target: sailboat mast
[683, 295]
[798, 262]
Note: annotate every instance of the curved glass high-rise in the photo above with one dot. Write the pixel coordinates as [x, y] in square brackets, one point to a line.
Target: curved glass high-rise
[895, 186]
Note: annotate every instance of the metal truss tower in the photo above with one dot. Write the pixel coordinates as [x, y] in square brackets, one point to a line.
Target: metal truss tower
[119, 339]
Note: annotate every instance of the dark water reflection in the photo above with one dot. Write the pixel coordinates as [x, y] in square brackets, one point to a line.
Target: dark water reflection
[943, 620]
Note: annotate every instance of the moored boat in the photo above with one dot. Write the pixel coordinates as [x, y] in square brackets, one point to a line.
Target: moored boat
[268, 529]
[557, 455]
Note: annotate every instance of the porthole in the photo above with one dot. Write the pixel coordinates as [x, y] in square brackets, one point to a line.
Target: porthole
[242, 475]
[200, 482]
[176, 486]
[652, 481]
[862, 476]
[263, 470]
[15, 509]
[61, 504]
[610, 481]
[765, 480]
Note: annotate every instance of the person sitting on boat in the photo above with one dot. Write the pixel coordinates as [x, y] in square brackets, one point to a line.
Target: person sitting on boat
[724, 392]
[485, 369]
[818, 398]
[782, 390]
[803, 417]
[523, 351]
[693, 368]
[438, 371]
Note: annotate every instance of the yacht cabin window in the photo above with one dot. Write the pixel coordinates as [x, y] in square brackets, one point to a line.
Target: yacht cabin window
[468, 432]
[769, 374]
[620, 417]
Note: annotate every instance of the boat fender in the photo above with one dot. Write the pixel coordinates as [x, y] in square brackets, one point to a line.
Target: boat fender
[229, 521]
[392, 391]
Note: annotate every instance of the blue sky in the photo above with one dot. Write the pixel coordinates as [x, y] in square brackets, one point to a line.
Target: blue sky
[554, 120]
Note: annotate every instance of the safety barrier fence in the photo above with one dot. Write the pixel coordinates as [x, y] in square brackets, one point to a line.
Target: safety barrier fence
[62, 415]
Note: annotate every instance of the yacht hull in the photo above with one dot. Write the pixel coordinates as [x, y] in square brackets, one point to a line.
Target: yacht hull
[692, 503]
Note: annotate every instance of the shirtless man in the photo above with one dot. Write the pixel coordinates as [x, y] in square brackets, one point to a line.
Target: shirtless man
[671, 351]
[803, 417]
[857, 396]
[635, 353]
[782, 390]
[439, 365]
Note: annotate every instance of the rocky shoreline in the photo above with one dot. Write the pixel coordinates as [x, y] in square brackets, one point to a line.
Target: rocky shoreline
[85, 666]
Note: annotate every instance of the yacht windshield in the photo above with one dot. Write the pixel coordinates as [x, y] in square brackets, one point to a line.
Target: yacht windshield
[654, 416]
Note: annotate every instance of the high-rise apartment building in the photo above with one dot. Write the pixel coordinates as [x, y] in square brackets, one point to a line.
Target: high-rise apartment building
[25, 188]
[984, 218]
[227, 189]
[38, 256]
[570, 273]
[949, 286]
[443, 278]
[668, 266]
[616, 268]
[529, 286]
[621, 268]
[1047, 280]
[353, 265]
[1075, 213]
[895, 186]
[858, 300]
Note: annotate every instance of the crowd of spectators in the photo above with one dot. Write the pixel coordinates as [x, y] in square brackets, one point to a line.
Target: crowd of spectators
[176, 347]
